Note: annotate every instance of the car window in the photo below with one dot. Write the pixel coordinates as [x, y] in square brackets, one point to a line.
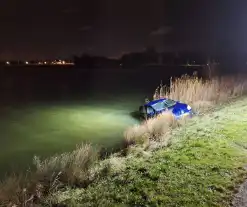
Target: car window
[169, 103]
[159, 106]
[150, 110]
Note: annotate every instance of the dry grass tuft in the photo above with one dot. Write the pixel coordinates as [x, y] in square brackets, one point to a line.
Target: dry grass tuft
[12, 190]
[19, 190]
[151, 130]
[71, 167]
[202, 94]
[76, 168]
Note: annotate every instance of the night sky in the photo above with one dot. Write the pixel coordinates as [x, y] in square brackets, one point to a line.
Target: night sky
[61, 28]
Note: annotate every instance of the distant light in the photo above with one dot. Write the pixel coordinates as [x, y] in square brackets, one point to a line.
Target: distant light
[7, 62]
[27, 62]
[44, 62]
[63, 62]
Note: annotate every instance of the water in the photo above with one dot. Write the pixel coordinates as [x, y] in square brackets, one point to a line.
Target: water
[48, 129]
[46, 111]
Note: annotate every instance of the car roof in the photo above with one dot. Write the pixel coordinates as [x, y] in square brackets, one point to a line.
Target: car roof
[155, 101]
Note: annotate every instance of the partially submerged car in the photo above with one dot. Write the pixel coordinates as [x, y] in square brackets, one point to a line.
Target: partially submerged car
[153, 108]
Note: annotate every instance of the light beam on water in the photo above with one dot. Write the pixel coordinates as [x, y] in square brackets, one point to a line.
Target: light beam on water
[45, 130]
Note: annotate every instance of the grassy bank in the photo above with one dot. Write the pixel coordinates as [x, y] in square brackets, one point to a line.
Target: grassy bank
[163, 162]
[202, 167]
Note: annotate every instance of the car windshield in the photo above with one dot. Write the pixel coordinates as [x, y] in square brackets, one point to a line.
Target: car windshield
[158, 106]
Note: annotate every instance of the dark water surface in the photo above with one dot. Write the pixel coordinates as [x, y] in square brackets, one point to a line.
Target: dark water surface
[45, 111]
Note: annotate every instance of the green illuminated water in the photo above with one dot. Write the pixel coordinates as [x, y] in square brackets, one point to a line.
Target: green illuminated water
[44, 128]
[99, 114]
[49, 129]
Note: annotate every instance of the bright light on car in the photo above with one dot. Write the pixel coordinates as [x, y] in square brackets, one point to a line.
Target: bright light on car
[188, 107]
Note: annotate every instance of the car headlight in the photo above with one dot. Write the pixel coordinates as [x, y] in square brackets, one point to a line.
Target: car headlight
[188, 107]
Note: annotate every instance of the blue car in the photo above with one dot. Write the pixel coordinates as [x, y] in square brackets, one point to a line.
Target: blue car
[153, 108]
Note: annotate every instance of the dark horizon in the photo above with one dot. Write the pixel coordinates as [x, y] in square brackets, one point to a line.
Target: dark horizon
[48, 30]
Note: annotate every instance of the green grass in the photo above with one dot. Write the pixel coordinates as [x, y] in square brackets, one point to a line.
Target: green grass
[202, 167]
